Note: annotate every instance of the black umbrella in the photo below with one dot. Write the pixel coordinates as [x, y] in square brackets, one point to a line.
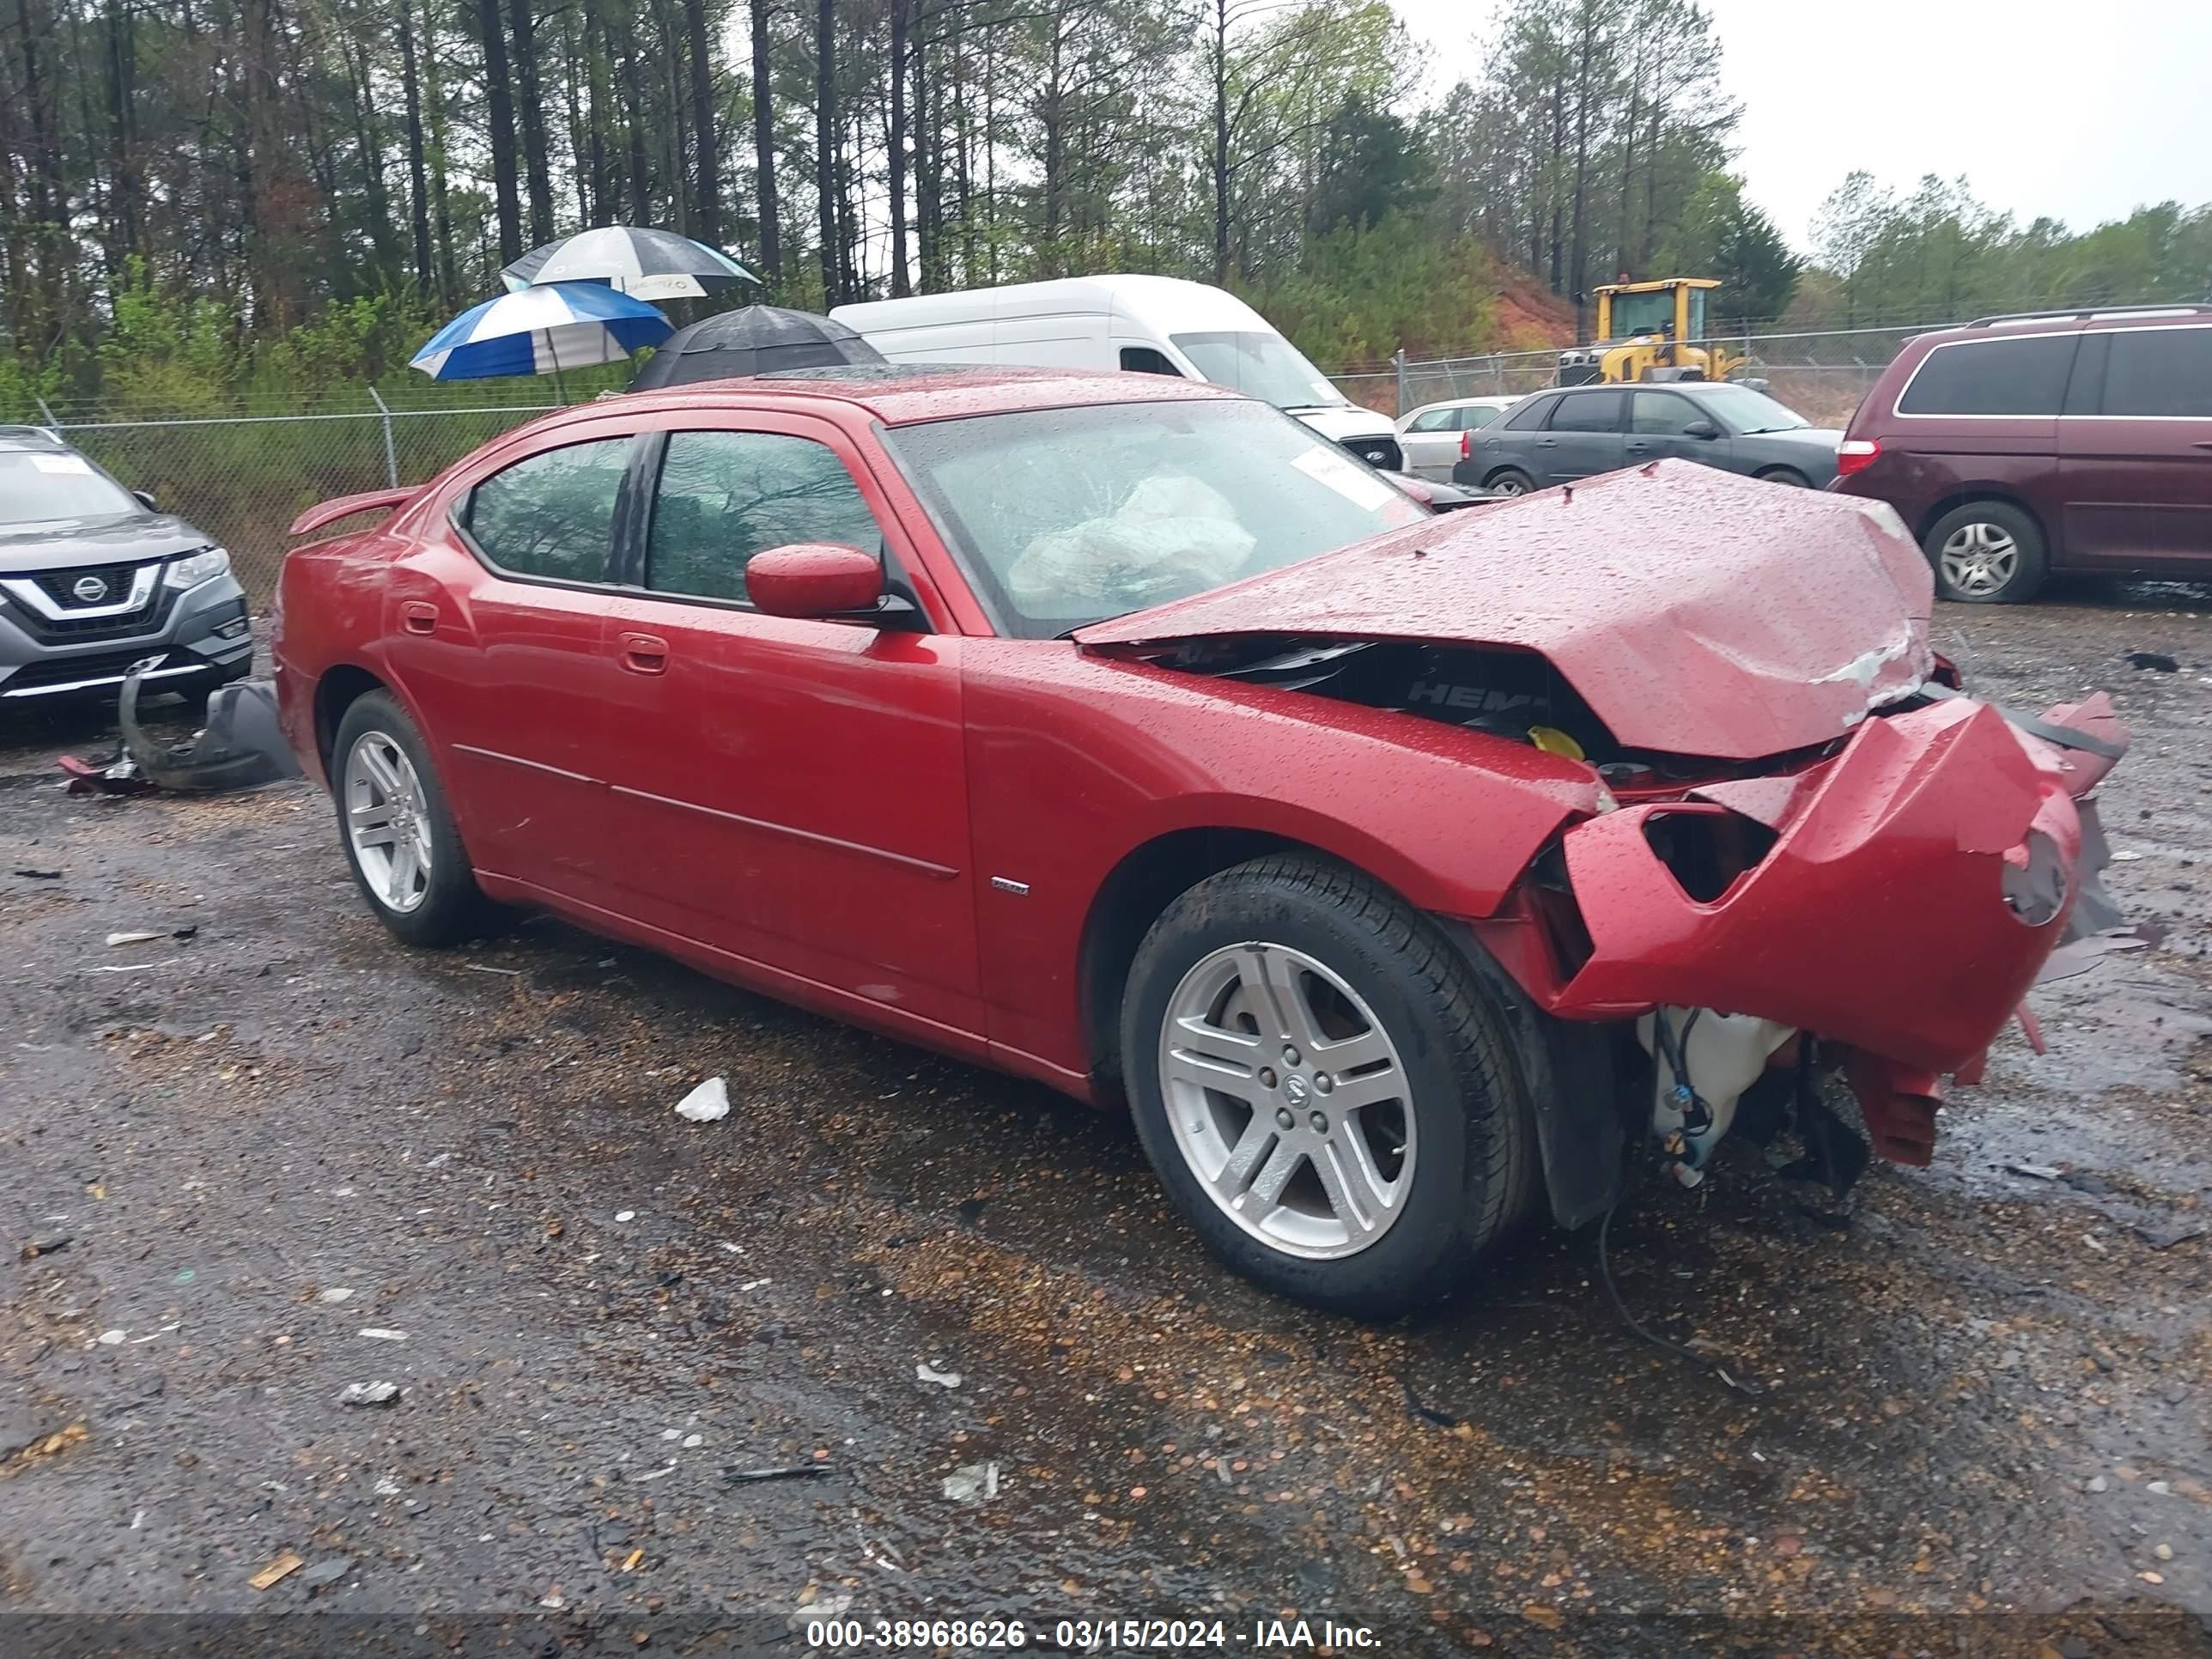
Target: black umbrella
[644, 263]
[759, 340]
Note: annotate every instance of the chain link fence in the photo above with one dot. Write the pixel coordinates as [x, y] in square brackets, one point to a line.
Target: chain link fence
[241, 475]
[243, 470]
[1820, 375]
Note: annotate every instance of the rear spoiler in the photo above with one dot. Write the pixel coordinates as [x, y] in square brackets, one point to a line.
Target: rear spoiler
[344, 507]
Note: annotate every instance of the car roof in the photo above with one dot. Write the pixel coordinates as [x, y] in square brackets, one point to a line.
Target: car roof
[30, 438]
[2084, 320]
[1468, 403]
[906, 394]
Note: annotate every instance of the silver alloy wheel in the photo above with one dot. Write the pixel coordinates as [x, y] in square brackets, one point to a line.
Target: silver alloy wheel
[1979, 559]
[1510, 485]
[387, 823]
[1288, 1101]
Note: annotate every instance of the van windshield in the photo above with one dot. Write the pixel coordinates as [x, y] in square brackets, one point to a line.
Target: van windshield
[1260, 364]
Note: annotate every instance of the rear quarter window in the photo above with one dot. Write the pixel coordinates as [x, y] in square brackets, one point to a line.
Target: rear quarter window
[1992, 377]
[1528, 417]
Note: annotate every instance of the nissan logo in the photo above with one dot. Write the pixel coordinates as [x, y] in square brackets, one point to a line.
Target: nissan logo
[90, 589]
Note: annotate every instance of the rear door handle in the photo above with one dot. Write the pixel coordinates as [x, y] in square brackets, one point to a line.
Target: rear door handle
[418, 617]
[645, 654]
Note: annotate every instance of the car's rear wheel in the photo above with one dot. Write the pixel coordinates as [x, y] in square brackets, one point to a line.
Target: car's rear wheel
[1987, 553]
[1782, 475]
[397, 832]
[1510, 482]
[1324, 1087]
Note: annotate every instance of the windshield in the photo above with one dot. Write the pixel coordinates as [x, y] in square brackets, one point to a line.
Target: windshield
[39, 488]
[1642, 314]
[1065, 517]
[1745, 411]
[1260, 364]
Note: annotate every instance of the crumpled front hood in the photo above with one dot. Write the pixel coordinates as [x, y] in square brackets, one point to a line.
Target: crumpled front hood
[1695, 611]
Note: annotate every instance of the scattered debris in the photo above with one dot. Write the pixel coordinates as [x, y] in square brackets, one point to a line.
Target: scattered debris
[629, 1563]
[786, 1472]
[625, 1215]
[2090, 1239]
[1427, 1413]
[112, 1338]
[551, 1599]
[652, 1475]
[693, 1441]
[2157, 660]
[369, 1393]
[130, 967]
[240, 746]
[707, 1103]
[335, 1293]
[327, 1572]
[116, 776]
[2035, 1171]
[141, 936]
[283, 1566]
[376, 1335]
[931, 1374]
[971, 1210]
[39, 875]
[2165, 1235]
[486, 968]
[973, 1483]
[39, 1247]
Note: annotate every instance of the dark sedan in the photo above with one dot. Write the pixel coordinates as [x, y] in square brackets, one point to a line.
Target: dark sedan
[1558, 436]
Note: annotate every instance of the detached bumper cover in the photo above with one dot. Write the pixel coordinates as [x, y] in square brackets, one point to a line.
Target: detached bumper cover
[1880, 917]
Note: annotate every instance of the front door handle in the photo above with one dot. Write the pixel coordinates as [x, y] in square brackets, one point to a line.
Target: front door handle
[645, 654]
[1547, 443]
[2203, 443]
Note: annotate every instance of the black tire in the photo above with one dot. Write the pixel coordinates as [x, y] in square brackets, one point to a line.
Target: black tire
[2030, 567]
[1786, 476]
[1475, 1175]
[452, 906]
[1509, 481]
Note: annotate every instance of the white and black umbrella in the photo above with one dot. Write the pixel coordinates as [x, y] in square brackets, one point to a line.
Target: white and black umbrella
[645, 265]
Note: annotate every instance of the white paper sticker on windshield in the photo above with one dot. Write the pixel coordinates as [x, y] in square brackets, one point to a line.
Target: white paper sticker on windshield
[1346, 477]
[61, 463]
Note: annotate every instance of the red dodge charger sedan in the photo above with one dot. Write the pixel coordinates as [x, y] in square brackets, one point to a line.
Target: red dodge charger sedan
[1401, 873]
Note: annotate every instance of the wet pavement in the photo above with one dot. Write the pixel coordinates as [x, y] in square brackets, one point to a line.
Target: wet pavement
[242, 1172]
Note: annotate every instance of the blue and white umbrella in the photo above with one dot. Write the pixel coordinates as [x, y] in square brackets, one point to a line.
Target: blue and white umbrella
[542, 330]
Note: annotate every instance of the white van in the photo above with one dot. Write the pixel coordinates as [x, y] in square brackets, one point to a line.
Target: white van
[1153, 324]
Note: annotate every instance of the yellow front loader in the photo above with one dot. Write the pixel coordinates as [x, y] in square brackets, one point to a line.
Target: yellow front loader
[1650, 331]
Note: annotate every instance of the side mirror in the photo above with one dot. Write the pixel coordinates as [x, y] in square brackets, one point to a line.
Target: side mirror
[814, 579]
[1701, 429]
[146, 500]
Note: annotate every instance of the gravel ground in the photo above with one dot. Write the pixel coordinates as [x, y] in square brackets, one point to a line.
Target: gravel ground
[288, 1156]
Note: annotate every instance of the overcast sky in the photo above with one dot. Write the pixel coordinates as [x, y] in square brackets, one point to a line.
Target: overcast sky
[2081, 112]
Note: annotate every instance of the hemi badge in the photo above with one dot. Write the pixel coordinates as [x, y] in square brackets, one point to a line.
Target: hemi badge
[1007, 884]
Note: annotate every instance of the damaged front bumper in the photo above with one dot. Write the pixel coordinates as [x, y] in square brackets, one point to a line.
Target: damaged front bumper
[1893, 901]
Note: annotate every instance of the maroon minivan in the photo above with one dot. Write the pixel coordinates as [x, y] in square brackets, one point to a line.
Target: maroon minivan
[2067, 441]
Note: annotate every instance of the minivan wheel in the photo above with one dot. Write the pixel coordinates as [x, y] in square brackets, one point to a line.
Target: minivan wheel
[1324, 1087]
[1511, 482]
[1987, 553]
[398, 833]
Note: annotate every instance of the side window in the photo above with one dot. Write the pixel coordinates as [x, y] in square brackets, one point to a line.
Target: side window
[1434, 420]
[1528, 415]
[1661, 414]
[1475, 417]
[1143, 360]
[724, 496]
[551, 513]
[1992, 377]
[2159, 372]
[1587, 411]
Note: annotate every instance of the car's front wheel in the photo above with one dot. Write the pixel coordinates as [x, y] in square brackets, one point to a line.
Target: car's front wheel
[397, 832]
[1987, 553]
[1324, 1087]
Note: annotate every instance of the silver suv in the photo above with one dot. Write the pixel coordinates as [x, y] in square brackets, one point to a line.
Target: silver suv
[93, 579]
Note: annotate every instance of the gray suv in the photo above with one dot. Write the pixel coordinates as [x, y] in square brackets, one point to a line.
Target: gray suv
[93, 579]
[1558, 436]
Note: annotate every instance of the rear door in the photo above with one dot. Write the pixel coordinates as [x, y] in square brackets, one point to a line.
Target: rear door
[2135, 449]
[789, 791]
[494, 625]
[1583, 437]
